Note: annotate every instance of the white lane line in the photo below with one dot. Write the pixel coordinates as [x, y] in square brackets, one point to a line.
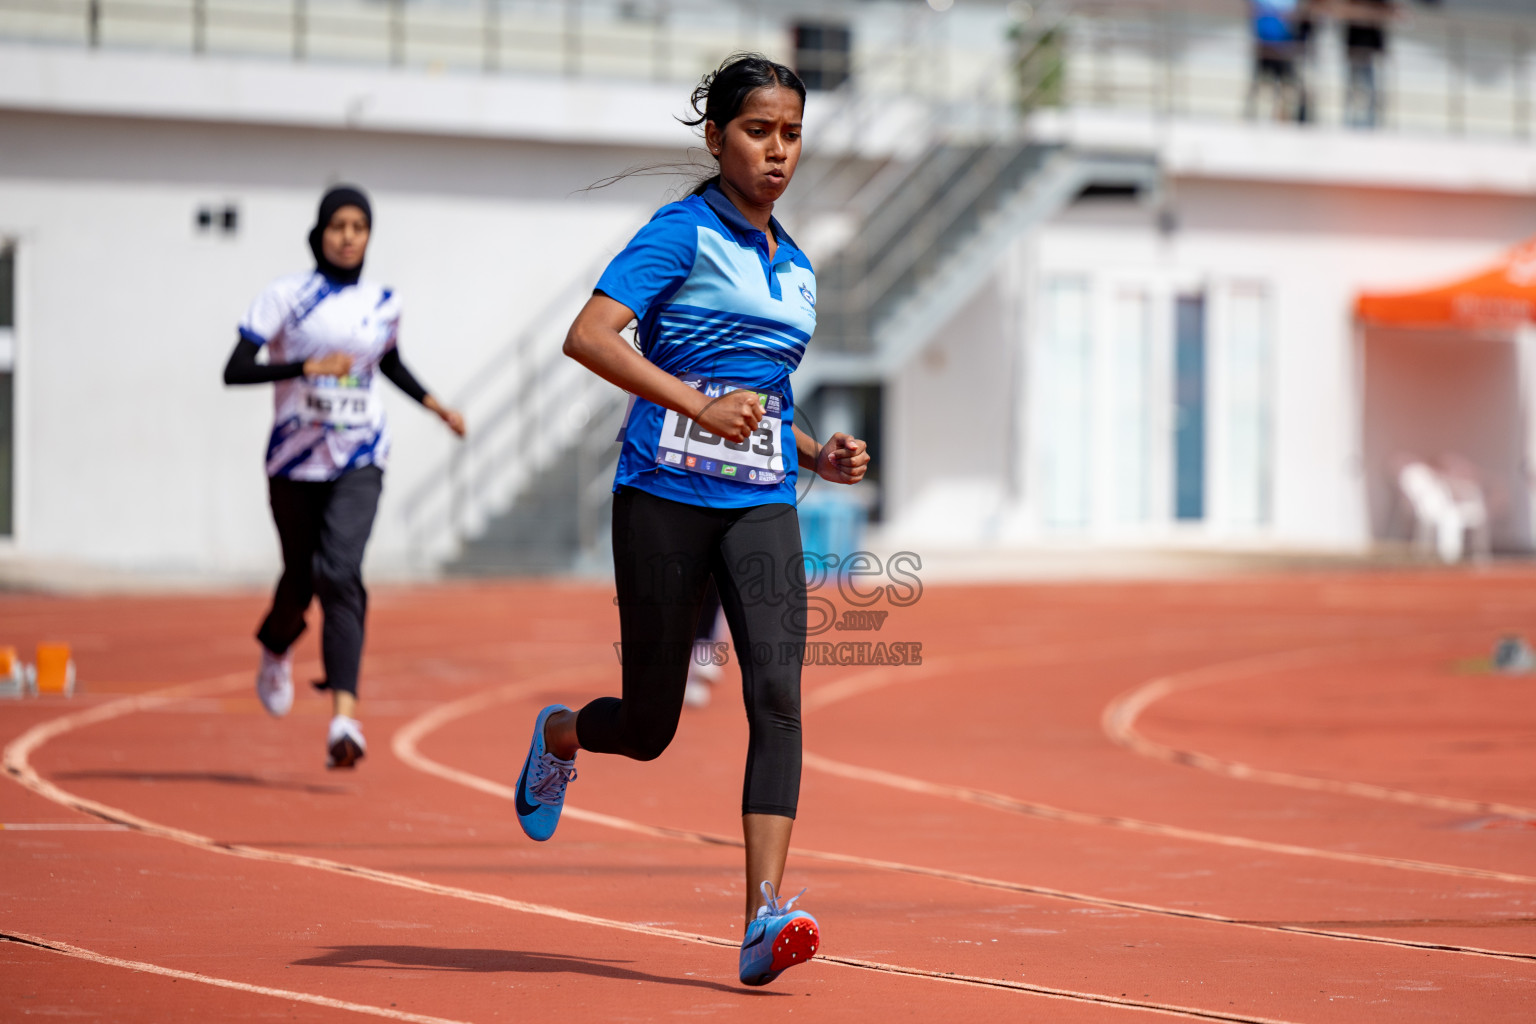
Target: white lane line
[1120, 715]
[406, 746]
[65, 949]
[17, 760]
[100, 826]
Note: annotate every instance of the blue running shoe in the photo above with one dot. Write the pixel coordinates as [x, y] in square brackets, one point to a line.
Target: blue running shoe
[778, 938]
[541, 787]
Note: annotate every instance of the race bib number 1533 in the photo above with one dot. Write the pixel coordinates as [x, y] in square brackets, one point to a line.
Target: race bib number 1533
[757, 460]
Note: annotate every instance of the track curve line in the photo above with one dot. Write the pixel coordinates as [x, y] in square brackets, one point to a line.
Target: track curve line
[405, 745]
[868, 681]
[1120, 715]
[1003, 802]
[17, 762]
[65, 949]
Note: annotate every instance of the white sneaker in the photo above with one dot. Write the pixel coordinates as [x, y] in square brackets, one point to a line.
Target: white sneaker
[700, 685]
[274, 683]
[344, 745]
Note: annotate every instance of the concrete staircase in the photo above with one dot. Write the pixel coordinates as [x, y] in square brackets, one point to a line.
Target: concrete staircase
[931, 242]
[555, 517]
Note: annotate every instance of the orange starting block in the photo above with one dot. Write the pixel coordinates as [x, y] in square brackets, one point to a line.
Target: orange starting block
[55, 672]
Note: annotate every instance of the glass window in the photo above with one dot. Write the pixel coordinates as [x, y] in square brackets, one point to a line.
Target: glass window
[823, 54]
[1189, 408]
[7, 386]
[7, 286]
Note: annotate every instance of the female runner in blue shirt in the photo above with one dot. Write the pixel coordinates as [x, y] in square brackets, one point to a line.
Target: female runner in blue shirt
[706, 480]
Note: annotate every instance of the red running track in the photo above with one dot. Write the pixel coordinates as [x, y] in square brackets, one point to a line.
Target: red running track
[1289, 799]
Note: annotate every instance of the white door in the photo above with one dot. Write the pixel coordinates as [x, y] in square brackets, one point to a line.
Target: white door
[1065, 371]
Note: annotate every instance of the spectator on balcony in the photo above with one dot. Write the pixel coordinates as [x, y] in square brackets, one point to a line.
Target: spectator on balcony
[1306, 11]
[1365, 40]
[1280, 31]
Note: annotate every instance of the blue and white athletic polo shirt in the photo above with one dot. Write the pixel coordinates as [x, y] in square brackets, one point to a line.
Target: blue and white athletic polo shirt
[324, 426]
[712, 305]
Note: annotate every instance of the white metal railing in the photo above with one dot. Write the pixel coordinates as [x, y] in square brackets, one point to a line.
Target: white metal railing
[655, 40]
[1458, 72]
[553, 36]
[524, 405]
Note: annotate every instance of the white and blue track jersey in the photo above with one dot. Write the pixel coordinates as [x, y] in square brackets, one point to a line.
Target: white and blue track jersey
[324, 426]
[714, 310]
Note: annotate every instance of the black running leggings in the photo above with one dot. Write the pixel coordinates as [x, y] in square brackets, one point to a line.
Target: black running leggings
[664, 553]
[324, 526]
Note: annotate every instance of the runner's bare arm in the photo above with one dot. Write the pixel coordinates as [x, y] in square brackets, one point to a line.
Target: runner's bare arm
[842, 460]
[394, 368]
[594, 341]
[452, 417]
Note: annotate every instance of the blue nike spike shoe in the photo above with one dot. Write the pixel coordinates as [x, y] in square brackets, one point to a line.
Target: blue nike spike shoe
[778, 938]
[541, 787]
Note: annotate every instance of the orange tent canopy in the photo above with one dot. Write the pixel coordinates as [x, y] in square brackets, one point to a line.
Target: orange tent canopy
[1501, 297]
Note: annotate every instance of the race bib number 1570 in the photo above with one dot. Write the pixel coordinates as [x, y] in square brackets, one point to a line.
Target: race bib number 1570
[340, 403]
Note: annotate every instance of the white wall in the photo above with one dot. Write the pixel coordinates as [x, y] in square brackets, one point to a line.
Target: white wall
[948, 420]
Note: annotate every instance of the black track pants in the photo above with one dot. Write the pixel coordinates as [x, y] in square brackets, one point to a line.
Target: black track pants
[664, 553]
[324, 527]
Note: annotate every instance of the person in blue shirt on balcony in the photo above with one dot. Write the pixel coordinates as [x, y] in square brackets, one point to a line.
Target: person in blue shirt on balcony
[1281, 30]
[705, 485]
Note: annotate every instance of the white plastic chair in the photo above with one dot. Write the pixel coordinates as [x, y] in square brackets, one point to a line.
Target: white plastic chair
[1460, 476]
[1438, 521]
